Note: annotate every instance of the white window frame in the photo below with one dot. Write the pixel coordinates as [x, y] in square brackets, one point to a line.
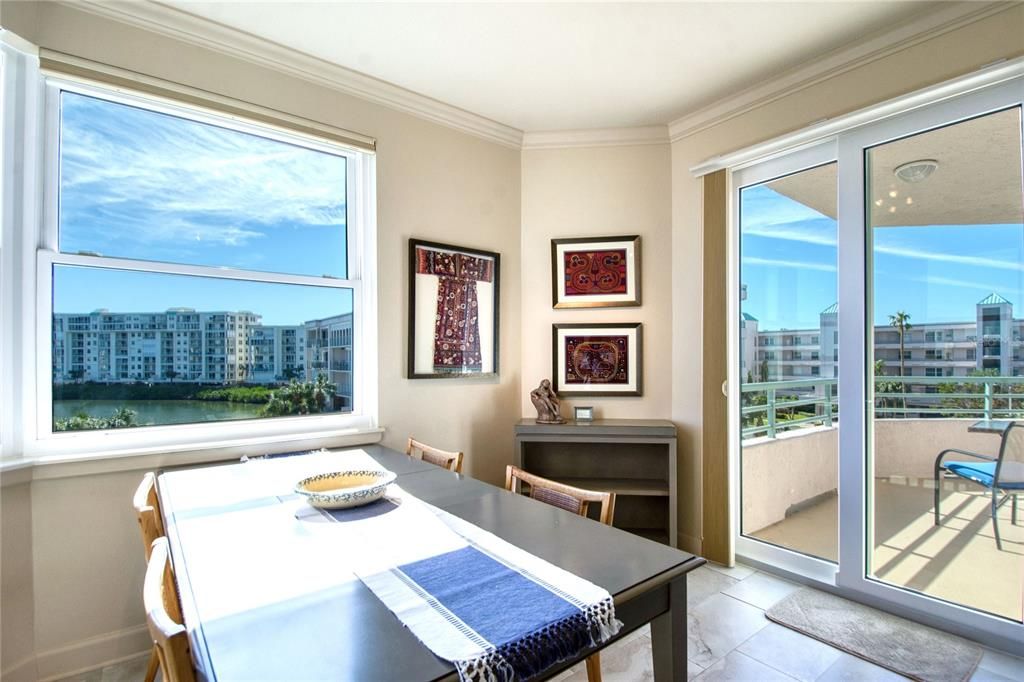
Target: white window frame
[40, 254]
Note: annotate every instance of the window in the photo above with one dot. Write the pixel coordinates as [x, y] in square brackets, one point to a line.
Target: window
[198, 269]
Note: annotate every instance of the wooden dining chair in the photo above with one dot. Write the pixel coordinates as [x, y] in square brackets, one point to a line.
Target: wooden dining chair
[163, 616]
[571, 499]
[151, 523]
[567, 497]
[452, 461]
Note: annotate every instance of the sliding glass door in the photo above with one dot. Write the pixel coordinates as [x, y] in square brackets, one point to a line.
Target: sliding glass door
[788, 432]
[875, 278]
[944, 233]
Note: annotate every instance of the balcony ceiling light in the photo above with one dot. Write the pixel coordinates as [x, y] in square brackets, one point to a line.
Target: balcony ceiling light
[916, 171]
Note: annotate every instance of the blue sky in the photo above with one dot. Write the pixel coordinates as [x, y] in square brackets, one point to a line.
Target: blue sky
[82, 290]
[934, 273]
[142, 185]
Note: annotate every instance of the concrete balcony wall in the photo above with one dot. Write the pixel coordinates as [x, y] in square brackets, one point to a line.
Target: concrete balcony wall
[786, 472]
[908, 447]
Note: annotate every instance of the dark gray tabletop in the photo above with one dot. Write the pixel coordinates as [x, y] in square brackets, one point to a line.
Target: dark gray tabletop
[325, 625]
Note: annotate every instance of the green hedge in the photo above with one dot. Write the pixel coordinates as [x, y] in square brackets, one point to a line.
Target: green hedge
[242, 393]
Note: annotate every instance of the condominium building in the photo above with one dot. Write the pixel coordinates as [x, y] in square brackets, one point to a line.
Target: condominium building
[179, 344]
[276, 353]
[943, 349]
[329, 351]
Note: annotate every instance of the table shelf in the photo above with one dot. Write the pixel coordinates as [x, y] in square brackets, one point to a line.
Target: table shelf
[635, 459]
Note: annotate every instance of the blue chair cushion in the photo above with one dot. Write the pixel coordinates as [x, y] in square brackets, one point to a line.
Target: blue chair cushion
[979, 472]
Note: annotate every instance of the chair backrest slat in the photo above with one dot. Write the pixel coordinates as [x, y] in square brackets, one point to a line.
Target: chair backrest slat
[147, 512]
[163, 616]
[442, 458]
[567, 497]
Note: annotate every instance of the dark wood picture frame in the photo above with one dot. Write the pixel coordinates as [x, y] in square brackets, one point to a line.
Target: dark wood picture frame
[634, 360]
[413, 339]
[631, 297]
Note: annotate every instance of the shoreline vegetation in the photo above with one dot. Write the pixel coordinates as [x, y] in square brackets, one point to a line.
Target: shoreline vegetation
[238, 393]
[291, 398]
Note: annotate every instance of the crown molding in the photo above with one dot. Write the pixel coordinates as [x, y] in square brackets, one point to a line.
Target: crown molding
[596, 137]
[174, 23]
[834, 63]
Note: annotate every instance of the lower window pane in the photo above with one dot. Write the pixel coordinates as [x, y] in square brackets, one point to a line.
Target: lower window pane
[147, 349]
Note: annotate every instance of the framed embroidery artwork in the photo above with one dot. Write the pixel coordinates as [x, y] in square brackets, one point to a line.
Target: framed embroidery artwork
[595, 272]
[598, 359]
[453, 311]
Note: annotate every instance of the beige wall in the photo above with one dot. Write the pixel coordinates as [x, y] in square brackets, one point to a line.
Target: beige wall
[603, 191]
[433, 182]
[924, 63]
[17, 621]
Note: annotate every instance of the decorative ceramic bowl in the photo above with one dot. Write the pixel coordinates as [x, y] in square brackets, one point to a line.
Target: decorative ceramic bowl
[341, 489]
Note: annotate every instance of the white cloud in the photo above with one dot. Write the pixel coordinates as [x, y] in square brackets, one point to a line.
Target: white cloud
[146, 177]
[801, 265]
[796, 232]
[977, 261]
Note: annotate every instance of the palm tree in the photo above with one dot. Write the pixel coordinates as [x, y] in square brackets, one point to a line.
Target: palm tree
[323, 392]
[901, 321]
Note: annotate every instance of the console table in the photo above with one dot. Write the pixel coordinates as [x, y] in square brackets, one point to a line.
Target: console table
[633, 458]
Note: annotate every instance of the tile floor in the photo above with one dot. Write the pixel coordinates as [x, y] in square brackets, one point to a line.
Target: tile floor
[729, 639]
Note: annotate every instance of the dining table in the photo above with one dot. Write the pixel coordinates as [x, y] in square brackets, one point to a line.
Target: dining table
[267, 592]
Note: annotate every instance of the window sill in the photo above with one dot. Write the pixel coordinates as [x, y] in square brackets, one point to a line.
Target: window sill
[25, 469]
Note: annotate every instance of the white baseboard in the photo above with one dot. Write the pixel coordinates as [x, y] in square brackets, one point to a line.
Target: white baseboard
[94, 652]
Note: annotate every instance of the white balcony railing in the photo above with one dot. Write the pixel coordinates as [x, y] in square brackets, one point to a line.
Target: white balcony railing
[768, 408]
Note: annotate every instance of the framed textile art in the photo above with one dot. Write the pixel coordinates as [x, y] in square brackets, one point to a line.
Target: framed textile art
[598, 359]
[453, 311]
[595, 272]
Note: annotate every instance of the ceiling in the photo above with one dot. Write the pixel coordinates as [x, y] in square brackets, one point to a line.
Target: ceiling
[566, 66]
[977, 182]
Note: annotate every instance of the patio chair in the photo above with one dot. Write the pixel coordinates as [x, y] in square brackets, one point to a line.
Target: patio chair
[1001, 475]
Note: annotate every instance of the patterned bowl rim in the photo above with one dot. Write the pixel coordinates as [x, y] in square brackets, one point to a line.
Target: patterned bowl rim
[384, 478]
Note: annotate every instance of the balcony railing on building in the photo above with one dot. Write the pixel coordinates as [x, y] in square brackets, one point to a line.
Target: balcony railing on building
[770, 408]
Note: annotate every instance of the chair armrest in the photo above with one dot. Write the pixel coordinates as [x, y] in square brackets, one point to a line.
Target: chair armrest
[958, 451]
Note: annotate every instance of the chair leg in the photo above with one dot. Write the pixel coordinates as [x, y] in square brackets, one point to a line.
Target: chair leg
[1013, 510]
[154, 664]
[938, 490]
[995, 519]
[594, 667]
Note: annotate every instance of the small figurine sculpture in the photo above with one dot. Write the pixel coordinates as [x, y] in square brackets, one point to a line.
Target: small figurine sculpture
[547, 404]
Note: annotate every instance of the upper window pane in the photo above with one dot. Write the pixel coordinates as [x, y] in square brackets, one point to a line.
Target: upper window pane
[140, 184]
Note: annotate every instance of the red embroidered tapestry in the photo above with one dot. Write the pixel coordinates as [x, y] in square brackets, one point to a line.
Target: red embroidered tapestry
[596, 360]
[595, 272]
[457, 324]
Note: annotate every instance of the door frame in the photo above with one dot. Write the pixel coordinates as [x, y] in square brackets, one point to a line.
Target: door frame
[756, 551]
[850, 577]
[855, 325]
